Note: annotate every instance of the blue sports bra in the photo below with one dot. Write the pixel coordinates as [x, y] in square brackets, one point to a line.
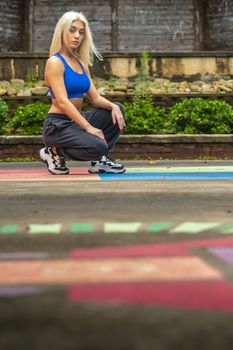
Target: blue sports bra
[76, 84]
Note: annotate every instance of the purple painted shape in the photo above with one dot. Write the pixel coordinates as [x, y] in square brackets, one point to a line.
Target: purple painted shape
[224, 253]
[14, 291]
[23, 255]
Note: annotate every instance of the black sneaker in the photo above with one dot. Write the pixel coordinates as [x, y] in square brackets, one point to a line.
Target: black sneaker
[106, 165]
[56, 164]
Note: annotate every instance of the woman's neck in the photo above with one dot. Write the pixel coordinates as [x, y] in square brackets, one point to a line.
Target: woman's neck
[66, 53]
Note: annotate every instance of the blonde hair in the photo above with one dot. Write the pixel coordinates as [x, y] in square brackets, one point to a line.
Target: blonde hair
[87, 50]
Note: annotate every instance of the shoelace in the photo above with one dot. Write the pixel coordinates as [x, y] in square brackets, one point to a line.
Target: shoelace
[59, 161]
[107, 159]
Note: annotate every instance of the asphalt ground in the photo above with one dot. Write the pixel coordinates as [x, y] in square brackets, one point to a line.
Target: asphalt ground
[116, 264]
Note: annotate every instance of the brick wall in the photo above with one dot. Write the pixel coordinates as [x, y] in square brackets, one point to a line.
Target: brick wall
[47, 13]
[165, 25]
[220, 25]
[122, 25]
[11, 25]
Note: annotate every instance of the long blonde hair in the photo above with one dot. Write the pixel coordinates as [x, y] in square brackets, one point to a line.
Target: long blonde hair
[87, 50]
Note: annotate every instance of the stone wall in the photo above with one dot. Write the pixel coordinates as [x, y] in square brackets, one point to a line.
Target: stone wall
[136, 147]
[165, 65]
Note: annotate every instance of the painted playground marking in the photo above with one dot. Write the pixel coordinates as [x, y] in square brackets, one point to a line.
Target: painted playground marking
[168, 176]
[45, 228]
[223, 253]
[194, 227]
[201, 294]
[76, 174]
[158, 274]
[138, 174]
[187, 227]
[102, 271]
[12, 291]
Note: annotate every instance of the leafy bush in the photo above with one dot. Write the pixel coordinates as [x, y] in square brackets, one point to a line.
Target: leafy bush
[142, 117]
[196, 116]
[3, 114]
[28, 119]
[191, 116]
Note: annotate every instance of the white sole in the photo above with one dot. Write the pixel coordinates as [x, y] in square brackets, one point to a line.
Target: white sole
[102, 171]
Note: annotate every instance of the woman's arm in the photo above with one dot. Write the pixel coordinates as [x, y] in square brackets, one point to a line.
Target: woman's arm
[101, 102]
[54, 71]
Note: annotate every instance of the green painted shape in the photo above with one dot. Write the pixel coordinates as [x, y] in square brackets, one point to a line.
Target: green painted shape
[194, 227]
[81, 228]
[225, 229]
[8, 229]
[187, 169]
[125, 227]
[44, 228]
[157, 227]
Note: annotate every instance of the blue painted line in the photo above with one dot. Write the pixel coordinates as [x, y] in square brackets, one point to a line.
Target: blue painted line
[168, 176]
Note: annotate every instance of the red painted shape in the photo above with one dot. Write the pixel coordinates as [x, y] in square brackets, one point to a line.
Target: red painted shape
[130, 251]
[214, 295]
[160, 249]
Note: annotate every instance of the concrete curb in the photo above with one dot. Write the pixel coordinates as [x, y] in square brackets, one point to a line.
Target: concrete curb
[136, 146]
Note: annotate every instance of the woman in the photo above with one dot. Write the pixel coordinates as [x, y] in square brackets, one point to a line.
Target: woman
[67, 130]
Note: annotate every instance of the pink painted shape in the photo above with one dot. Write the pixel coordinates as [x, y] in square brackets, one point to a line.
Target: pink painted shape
[30, 177]
[73, 171]
[160, 249]
[216, 295]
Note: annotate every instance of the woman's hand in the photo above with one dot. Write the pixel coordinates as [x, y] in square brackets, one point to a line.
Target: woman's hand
[117, 117]
[96, 132]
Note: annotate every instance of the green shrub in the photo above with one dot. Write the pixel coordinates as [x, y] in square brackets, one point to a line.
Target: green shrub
[191, 116]
[143, 118]
[196, 116]
[28, 119]
[3, 114]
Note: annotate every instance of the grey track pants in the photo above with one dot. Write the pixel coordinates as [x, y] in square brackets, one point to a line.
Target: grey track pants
[73, 141]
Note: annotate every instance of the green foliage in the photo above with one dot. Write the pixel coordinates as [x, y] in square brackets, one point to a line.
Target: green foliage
[31, 80]
[3, 114]
[18, 159]
[142, 117]
[143, 73]
[191, 116]
[196, 116]
[28, 119]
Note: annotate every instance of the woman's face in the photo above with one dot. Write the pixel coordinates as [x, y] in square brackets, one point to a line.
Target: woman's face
[75, 35]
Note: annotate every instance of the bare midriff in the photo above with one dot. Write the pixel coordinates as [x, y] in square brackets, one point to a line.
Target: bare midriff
[77, 102]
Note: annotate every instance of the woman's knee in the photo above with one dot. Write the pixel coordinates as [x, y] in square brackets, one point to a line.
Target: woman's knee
[85, 153]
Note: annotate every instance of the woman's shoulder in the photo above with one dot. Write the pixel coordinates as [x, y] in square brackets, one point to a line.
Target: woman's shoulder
[54, 64]
[54, 61]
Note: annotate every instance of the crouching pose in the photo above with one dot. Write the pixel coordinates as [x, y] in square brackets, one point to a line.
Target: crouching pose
[68, 131]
